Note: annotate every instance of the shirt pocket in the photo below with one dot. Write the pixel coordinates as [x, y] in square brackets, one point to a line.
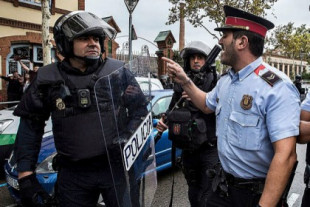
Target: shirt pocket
[244, 131]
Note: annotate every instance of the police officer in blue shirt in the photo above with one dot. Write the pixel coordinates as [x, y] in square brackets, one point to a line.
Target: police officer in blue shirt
[257, 116]
[303, 138]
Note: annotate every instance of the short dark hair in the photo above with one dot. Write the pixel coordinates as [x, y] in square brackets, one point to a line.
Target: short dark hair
[256, 41]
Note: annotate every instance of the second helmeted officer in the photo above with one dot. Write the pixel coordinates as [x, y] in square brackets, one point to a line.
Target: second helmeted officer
[196, 136]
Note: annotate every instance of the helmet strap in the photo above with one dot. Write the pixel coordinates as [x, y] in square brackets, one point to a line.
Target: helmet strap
[89, 60]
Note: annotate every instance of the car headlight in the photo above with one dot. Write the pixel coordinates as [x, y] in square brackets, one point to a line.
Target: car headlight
[46, 166]
[4, 123]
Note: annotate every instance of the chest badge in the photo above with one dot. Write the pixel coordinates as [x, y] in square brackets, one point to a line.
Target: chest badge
[176, 129]
[60, 104]
[246, 102]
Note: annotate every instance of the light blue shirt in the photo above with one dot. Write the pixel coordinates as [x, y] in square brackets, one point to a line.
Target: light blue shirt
[245, 136]
[306, 103]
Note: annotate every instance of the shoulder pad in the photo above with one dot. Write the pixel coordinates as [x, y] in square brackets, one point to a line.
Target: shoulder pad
[48, 74]
[267, 75]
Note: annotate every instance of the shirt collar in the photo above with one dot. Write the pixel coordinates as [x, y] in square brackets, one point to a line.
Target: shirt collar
[247, 70]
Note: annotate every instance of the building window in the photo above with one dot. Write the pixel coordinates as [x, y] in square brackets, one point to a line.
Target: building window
[37, 54]
[285, 69]
[280, 67]
[30, 55]
[34, 2]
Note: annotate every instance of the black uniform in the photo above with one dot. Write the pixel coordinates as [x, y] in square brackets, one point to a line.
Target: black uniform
[199, 152]
[84, 169]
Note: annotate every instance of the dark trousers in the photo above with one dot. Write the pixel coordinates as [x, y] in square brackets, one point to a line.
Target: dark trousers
[306, 198]
[81, 185]
[195, 165]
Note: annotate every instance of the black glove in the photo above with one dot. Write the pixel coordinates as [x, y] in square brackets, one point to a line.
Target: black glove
[31, 192]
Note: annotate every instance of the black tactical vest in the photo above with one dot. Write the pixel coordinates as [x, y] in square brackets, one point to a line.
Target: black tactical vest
[189, 128]
[77, 131]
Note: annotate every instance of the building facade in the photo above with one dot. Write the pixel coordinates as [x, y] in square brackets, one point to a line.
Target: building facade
[20, 34]
[290, 67]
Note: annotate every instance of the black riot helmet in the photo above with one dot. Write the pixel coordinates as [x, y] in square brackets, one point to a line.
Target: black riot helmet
[195, 47]
[76, 24]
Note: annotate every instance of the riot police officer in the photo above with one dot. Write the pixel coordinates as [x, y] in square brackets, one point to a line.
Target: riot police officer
[199, 146]
[66, 91]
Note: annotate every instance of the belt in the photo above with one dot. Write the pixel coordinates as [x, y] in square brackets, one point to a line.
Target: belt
[255, 185]
[212, 143]
[209, 144]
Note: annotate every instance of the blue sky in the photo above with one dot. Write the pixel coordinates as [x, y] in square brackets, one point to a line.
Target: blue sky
[150, 16]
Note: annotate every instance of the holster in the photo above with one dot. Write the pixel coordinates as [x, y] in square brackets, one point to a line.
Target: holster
[219, 182]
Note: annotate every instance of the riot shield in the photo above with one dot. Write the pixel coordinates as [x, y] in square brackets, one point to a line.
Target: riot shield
[126, 125]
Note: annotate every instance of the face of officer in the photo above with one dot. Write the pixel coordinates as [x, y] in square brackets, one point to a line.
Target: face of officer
[229, 54]
[197, 61]
[86, 46]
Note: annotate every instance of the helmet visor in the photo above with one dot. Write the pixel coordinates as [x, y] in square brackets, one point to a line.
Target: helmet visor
[80, 23]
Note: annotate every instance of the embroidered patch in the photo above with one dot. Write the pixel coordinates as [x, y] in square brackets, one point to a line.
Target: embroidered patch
[176, 129]
[60, 104]
[270, 77]
[246, 102]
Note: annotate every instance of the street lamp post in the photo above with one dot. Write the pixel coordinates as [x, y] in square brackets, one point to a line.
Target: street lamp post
[131, 5]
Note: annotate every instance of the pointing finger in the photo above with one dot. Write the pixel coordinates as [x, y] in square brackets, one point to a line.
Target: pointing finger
[167, 60]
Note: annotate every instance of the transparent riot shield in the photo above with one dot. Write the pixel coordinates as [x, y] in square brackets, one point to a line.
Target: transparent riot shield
[126, 125]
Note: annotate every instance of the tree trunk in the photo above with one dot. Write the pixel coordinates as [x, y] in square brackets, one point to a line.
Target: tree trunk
[46, 45]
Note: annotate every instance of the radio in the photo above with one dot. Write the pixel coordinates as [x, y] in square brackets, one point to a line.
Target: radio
[84, 98]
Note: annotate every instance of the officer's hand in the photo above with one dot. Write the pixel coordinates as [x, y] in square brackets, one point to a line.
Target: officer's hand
[175, 71]
[161, 126]
[31, 192]
[184, 95]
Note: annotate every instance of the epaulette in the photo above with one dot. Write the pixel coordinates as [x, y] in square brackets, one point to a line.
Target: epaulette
[267, 75]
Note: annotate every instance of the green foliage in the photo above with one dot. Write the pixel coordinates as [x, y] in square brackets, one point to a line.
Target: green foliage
[197, 11]
[291, 41]
[305, 75]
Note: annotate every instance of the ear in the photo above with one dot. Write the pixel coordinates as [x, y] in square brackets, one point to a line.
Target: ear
[242, 42]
